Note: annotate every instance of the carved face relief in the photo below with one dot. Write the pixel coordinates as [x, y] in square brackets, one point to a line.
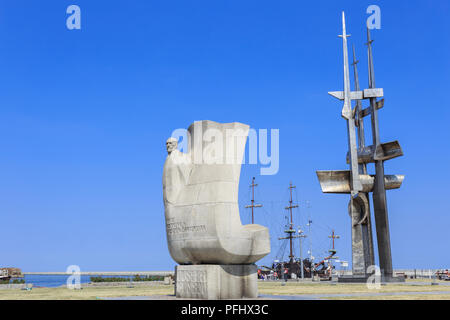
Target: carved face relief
[171, 144]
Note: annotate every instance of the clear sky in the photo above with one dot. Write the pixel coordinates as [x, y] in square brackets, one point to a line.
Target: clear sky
[84, 115]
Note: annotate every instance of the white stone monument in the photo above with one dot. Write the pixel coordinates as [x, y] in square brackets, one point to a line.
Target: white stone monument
[205, 235]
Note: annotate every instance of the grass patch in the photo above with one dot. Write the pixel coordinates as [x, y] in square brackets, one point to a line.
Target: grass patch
[292, 288]
[90, 293]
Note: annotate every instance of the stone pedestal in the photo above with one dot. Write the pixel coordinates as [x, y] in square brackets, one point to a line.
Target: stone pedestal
[213, 281]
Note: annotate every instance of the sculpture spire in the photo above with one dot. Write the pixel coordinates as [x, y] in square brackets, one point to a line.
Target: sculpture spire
[358, 108]
[347, 113]
[370, 60]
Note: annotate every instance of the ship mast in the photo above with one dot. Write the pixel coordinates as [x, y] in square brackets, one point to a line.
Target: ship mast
[290, 231]
[253, 205]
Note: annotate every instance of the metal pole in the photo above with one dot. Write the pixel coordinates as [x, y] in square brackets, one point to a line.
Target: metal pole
[291, 255]
[379, 191]
[301, 259]
[253, 198]
[310, 244]
[367, 228]
[300, 237]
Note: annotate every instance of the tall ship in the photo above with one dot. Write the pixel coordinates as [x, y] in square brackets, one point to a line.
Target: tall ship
[292, 266]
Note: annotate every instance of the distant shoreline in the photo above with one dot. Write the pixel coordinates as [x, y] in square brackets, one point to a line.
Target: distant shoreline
[107, 273]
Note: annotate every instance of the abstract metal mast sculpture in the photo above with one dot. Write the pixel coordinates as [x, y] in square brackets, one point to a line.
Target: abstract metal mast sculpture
[356, 181]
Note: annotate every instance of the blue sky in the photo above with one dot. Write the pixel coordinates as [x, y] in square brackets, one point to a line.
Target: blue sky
[84, 115]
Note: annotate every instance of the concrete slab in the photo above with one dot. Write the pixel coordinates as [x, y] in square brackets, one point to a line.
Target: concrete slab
[215, 282]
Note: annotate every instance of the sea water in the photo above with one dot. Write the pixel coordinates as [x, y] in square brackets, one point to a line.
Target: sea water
[51, 281]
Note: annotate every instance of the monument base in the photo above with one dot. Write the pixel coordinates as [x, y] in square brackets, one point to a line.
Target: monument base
[364, 278]
[214, 282]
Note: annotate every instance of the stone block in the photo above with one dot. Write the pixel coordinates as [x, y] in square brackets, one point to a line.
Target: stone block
[214, 282]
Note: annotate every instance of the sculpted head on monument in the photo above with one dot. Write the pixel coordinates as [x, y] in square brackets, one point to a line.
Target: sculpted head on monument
[171, 144]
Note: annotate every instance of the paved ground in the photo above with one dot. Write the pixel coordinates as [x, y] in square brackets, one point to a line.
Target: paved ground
[324, 296]
[172, 297]
[296, 297]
